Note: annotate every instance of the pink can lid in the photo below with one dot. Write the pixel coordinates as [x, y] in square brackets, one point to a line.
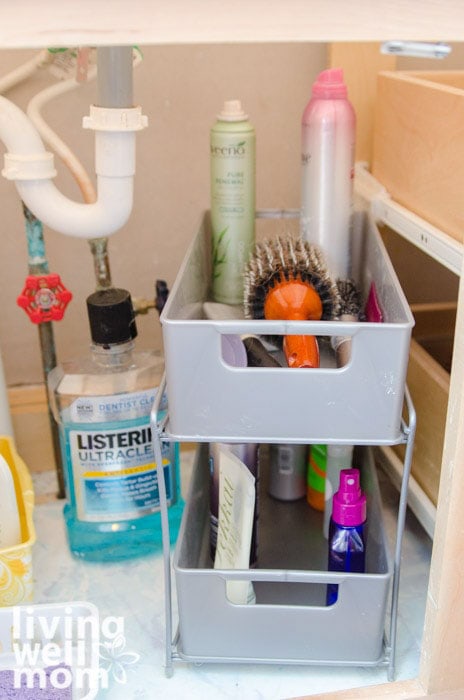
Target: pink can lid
[330, 84]
[349, 503]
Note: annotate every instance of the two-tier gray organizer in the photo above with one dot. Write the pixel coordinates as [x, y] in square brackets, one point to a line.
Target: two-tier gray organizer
[361, 403]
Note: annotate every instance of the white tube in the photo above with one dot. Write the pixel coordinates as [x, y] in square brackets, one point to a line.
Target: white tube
[26, 162]
[58, 146]
[19, 74]
[16, 131]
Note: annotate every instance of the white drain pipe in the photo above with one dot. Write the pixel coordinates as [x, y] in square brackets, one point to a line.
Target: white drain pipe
[31, 167]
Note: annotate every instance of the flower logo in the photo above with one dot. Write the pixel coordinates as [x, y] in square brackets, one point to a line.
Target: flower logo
[114, 658]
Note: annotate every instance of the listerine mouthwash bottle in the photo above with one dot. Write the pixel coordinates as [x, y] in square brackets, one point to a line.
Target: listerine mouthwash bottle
[102, 404]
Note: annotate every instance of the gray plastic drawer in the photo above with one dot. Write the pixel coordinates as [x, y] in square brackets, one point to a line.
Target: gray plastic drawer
[358, 403]
[290, 622]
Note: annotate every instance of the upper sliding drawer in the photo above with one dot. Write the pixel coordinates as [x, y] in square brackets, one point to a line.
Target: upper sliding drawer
[358, 403]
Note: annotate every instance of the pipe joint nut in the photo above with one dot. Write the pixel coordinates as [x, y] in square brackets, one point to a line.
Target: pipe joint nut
[115, 119]
[38, 166]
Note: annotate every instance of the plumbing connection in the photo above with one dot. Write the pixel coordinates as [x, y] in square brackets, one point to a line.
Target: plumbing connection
[27, 162]
[73, 68]
[31, 166]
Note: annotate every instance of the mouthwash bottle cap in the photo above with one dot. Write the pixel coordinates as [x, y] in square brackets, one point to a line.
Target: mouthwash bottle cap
[111, 316]
[330, 85]
[349, 503]
[232, 111]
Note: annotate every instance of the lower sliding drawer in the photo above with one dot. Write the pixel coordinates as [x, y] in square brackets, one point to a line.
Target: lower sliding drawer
[290, 622]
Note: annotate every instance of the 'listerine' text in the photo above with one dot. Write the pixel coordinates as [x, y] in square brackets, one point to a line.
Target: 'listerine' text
[100, 441]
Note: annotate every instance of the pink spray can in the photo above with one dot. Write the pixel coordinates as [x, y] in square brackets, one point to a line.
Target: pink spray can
[328, 150]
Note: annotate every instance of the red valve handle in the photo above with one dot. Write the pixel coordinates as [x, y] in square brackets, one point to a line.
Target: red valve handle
[44, 298]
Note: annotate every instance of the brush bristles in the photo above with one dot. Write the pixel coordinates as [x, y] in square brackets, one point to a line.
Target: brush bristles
[291, 258]
[350, 299]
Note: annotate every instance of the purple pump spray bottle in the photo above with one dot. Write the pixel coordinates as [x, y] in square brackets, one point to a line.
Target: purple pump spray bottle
[347, 546]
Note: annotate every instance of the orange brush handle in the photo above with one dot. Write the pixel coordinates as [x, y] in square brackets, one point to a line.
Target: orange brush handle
[301, 351]
[295, 300]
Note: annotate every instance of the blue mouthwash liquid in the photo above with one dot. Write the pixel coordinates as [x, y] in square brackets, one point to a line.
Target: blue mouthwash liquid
[103, 405]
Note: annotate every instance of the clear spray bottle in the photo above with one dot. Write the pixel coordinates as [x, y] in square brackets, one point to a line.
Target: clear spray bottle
[328, 149]
[338, 457]
[347, 536]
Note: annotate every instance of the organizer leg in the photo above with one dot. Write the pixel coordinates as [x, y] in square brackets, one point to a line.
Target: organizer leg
[166, 551]
[410, 432]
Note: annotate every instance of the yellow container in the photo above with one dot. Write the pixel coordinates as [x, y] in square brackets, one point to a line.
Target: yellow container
[16, 585]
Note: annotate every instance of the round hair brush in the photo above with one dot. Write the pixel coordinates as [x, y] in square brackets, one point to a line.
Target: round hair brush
[286, 278]
[350, 310]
